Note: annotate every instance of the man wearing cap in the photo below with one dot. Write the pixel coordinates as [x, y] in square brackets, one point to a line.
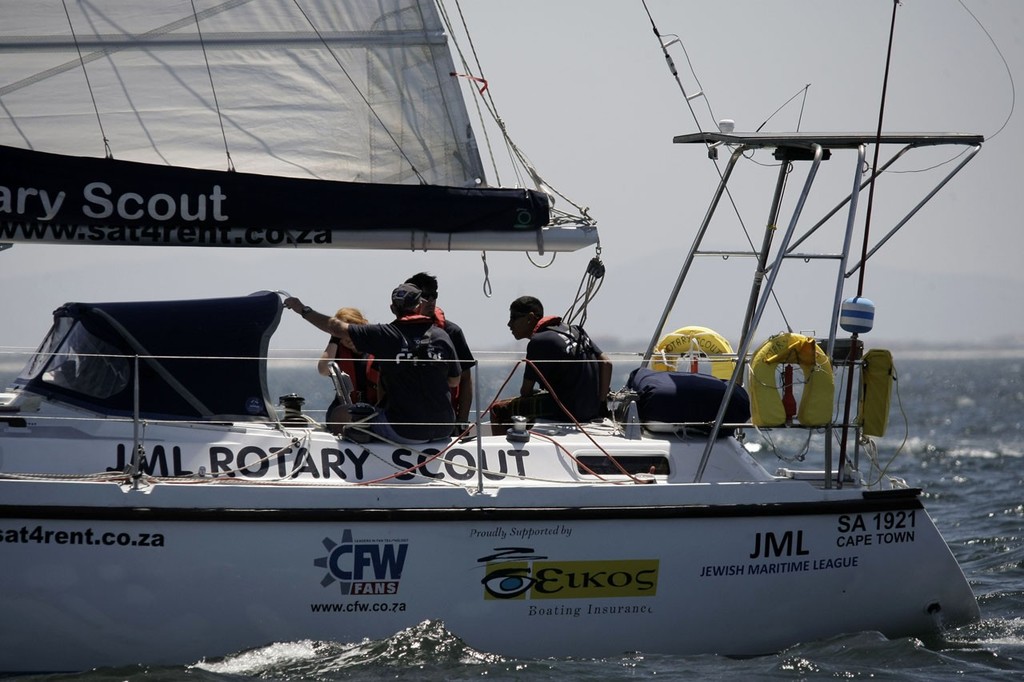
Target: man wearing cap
[417, 364]
[462, 395]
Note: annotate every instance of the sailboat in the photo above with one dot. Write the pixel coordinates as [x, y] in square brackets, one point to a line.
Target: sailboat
[158, 507]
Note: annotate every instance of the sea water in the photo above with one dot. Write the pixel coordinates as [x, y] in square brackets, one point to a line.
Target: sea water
[958, 425]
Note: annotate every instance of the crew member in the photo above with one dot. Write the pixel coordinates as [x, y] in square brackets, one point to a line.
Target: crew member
[566, 376]
[417, 365]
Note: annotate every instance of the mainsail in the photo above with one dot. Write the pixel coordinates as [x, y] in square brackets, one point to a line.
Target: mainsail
[247, 123]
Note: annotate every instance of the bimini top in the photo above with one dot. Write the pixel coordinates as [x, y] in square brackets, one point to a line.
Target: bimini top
[196, 360]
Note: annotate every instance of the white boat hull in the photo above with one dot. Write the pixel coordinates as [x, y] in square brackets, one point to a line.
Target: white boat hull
[98, 576]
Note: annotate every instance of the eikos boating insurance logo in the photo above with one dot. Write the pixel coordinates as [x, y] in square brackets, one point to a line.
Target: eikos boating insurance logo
[520, 573]
[365, 567]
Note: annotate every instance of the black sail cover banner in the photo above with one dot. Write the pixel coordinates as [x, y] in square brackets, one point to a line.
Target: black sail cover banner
[69, 199]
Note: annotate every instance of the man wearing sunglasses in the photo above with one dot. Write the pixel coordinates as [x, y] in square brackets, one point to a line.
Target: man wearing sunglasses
[567, 376]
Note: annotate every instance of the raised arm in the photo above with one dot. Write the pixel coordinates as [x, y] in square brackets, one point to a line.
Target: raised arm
[331, 325]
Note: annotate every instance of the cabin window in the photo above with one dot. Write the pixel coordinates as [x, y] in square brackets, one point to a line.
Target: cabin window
[81, 363]
[46, 349]
[633, 464]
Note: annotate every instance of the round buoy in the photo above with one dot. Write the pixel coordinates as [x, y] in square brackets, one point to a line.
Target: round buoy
[857, 315]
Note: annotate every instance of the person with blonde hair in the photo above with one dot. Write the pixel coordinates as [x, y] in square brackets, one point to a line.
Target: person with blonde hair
[358, 367]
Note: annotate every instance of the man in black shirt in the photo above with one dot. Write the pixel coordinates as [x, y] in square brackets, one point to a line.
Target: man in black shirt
[462, 395]
[576, 370]
[417, 364]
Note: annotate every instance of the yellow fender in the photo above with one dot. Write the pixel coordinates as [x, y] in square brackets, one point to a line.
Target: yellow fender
[697, 340]
[815, 408]
[876, 377]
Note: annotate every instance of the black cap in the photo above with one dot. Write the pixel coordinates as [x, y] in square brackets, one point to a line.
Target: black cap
[406, 297]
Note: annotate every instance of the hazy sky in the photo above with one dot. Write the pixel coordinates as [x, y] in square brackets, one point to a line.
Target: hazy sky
[585, 92]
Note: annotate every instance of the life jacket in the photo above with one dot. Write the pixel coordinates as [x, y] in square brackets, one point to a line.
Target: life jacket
[578, 397]
[360, 368]
[406, 319]
[440, 321]
[578, 344]
[420, 348]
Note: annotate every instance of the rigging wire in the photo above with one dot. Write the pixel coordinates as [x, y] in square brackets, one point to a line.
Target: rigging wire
[517, 158]
[213, 89]
[591, 283]
[713, 157]
[675, 73]
[516, 155]
[95, 107]
[1009, 113]
[800, 117]
[1009, 73]
[479, 69]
